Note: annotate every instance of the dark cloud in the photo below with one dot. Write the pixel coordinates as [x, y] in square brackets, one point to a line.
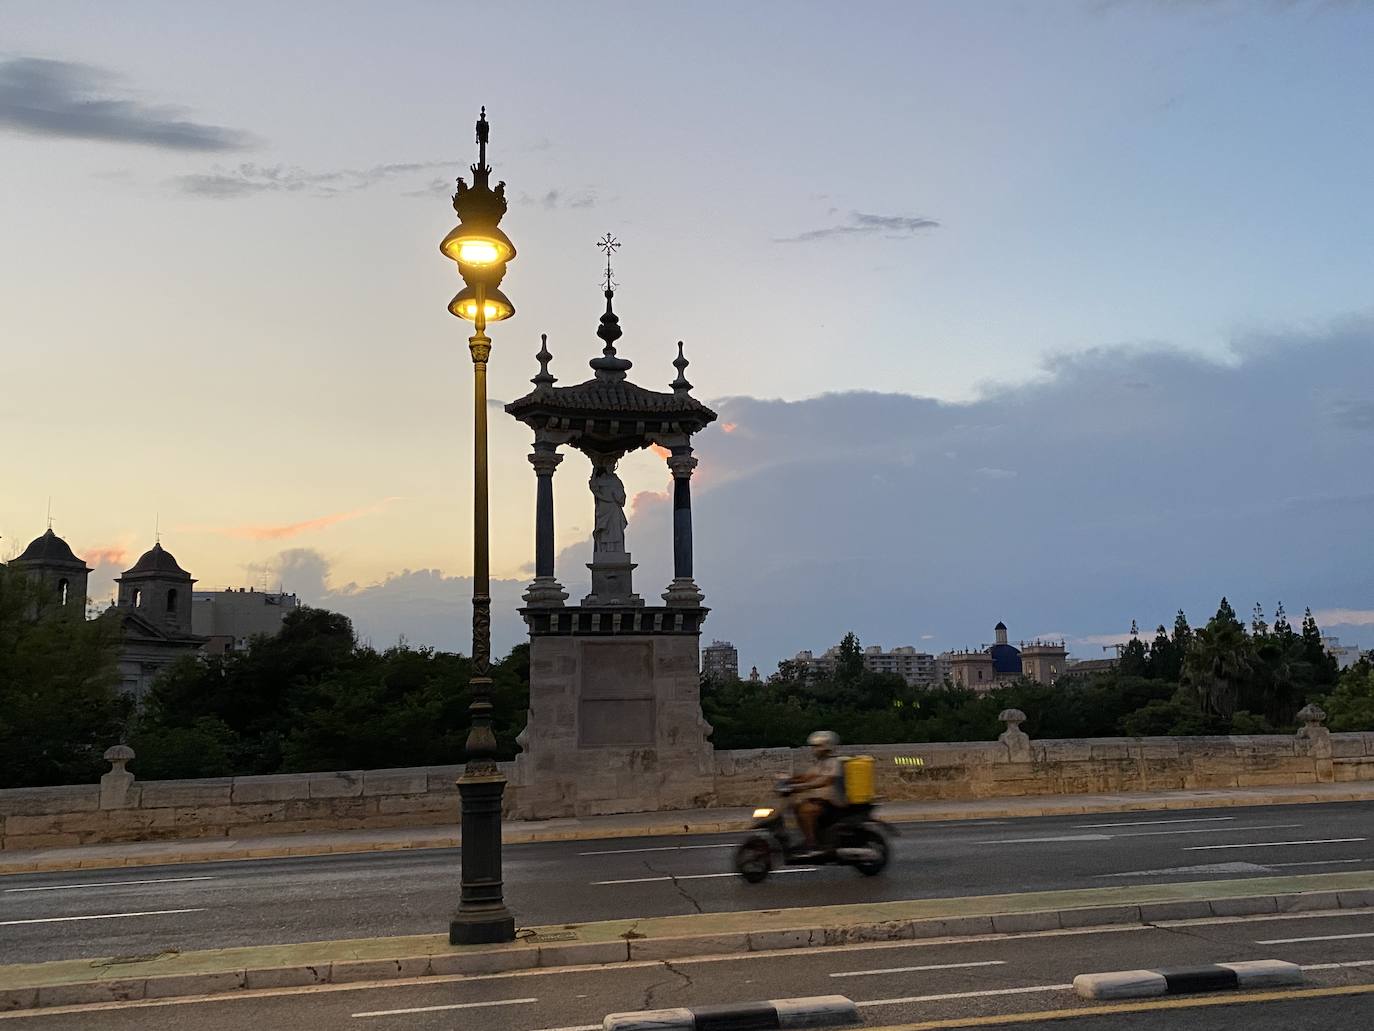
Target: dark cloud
[554, 199]
[41, 97]
[248, 180]
[860, 224]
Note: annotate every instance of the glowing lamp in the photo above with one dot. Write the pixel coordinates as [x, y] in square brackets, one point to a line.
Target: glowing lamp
[478, 248]
[497, 305]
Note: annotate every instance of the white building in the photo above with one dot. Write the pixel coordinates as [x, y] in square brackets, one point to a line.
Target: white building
[918, 669]
[1346, 655]
[231, 618]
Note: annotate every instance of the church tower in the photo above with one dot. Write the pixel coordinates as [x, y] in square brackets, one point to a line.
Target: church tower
[50, 561]
[159, 590]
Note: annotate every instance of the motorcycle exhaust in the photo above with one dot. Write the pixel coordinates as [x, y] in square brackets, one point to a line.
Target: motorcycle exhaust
[857, 855]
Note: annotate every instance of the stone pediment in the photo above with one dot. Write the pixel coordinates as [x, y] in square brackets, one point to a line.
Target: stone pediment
[139, 629]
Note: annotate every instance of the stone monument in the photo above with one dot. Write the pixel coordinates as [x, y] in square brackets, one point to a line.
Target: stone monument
[615, 722]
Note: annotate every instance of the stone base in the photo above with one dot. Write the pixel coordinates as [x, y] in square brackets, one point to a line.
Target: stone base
[684, 591]
[615, 726]
[545, 591]
[612, 581]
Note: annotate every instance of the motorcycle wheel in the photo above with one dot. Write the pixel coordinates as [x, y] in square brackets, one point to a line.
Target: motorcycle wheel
[754, 859]
[872, 867]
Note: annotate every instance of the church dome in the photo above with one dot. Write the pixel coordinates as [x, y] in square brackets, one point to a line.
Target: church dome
[49, 549]
[1005, 658]
[157, 561]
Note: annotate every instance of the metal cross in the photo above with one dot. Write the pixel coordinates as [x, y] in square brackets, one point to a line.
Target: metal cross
[610, 245]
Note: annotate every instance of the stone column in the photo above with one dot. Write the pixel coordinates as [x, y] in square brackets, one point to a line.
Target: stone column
[684, 590]
[545, 590]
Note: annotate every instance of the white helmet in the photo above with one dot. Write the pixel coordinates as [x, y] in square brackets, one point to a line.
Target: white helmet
[826, 739]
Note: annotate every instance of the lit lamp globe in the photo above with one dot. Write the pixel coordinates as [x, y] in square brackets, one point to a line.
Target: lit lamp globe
[496, 304]
[478, 248]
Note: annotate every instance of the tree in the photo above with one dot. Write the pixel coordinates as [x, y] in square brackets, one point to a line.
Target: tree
[1218, 662]
[1134, 662]
[59, 702]
[1351, 705]
[849, 664]
[1165, 662]
[1324, 668]
[1258, 627]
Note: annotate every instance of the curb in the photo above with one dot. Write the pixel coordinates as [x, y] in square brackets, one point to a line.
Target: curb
[1215, 977]
[69, 983]
[819, 1011]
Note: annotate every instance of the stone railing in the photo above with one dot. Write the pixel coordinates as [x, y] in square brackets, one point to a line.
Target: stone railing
[121, 808]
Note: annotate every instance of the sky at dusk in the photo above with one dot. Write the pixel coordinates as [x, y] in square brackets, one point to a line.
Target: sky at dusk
[1056, 313]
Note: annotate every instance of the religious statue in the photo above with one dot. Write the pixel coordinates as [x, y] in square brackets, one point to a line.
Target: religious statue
[609, 532]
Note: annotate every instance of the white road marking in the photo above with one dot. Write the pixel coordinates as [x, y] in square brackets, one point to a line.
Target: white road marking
[968, 995]
[932, 966]
[660, 848]
[1315, 938]
[1150, 823]
[450, 1006]
[109, 884]
[1066, 837]
[1340, 966]
[1271, 844]
[697, 876]
[1213, 830]
[577, 1027]
[1208, 868]
[1321, 862]
[98, 916]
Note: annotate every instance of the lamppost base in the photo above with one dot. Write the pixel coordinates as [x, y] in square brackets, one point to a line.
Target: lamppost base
[491, 928]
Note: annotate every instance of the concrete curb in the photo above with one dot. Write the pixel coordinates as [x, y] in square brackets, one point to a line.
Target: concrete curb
[1216, 977]
[775, 1014]
[66, 983]
[730, 821]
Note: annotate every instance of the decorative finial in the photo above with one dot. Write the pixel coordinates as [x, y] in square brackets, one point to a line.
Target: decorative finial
[157, 528]
[680, 385]
[49, 511]
[610, 245]
[610, 366]
[545, 379]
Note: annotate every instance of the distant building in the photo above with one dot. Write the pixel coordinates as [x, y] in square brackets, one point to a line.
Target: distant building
[720, 661]
[49, 561]
[918, 669]
[754, 677]
[230, 618]
[1346, 655]
[1083, 667]
[1002, 662]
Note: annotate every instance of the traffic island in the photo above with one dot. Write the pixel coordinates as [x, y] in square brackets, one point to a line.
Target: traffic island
[273, 967]
[1213, 977]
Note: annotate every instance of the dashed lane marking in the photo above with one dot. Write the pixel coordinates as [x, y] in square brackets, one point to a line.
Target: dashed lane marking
[108, 884]
[450, 1006]
[1151, 823]
[930, 966]
[97, 916]
[1272, 844]
[660, 848]
[697, 876]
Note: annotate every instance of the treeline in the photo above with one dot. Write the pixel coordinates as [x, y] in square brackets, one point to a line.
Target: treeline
[1221, 678]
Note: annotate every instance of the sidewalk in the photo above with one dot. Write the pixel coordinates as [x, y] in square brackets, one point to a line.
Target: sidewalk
[274, 967]
[632, 825]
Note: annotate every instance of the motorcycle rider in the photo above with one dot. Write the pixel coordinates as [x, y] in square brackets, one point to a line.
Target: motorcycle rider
[824, 783]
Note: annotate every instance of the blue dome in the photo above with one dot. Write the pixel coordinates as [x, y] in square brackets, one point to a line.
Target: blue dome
[1005, 658]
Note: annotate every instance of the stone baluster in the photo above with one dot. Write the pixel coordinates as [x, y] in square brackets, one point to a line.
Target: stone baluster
[1016, 740]
[1314, 741]
[545, 590]
[684, 590]
[115, 786]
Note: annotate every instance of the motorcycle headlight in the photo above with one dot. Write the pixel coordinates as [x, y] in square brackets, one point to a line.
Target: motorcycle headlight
[762, 813]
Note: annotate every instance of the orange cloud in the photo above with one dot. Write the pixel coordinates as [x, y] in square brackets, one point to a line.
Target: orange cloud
[283, 530]
[660, 450]
[114, 555]
[729, 427]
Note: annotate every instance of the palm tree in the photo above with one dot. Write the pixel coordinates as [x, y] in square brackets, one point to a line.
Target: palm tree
[1219, 660]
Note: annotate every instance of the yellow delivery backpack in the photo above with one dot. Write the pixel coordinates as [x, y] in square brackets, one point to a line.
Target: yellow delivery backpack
[859, 775]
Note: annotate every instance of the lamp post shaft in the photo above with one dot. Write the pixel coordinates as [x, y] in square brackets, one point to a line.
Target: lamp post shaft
[482, 917]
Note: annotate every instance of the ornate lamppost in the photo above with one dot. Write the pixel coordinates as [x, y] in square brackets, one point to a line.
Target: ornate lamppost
[481, 250]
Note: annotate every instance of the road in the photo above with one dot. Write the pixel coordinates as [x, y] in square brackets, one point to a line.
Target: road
[894, 983]
[134, 911]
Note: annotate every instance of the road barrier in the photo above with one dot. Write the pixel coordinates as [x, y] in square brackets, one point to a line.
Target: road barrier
[1215, 977]
[774, 1014]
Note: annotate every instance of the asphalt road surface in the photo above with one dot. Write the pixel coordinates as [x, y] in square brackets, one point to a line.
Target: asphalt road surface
[967, 981]
[132, 911]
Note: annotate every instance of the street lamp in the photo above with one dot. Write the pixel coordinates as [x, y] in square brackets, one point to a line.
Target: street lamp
[481, 251]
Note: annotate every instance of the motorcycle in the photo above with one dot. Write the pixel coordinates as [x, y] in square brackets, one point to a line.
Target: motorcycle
[851, 836]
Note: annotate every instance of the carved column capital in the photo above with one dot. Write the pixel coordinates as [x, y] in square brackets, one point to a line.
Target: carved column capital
[544, 460]
[682, 464]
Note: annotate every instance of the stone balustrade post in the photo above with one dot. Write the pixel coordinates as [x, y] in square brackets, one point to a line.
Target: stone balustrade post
[115, 786]
[684, 590]
[1314, 740]
[545, 590]
[1016, 740]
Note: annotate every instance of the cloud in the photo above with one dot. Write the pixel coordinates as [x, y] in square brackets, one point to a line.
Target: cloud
[111, 555]
[68, 100]
[247, 180]
[1353, 414]
[860, 224]
[991, 473]
[425, 607]
[279, 531]
[555, 199]
[1344, 617]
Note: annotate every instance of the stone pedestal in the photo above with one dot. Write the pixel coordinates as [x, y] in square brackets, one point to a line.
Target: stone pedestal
[612, 581]
[615, 722]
